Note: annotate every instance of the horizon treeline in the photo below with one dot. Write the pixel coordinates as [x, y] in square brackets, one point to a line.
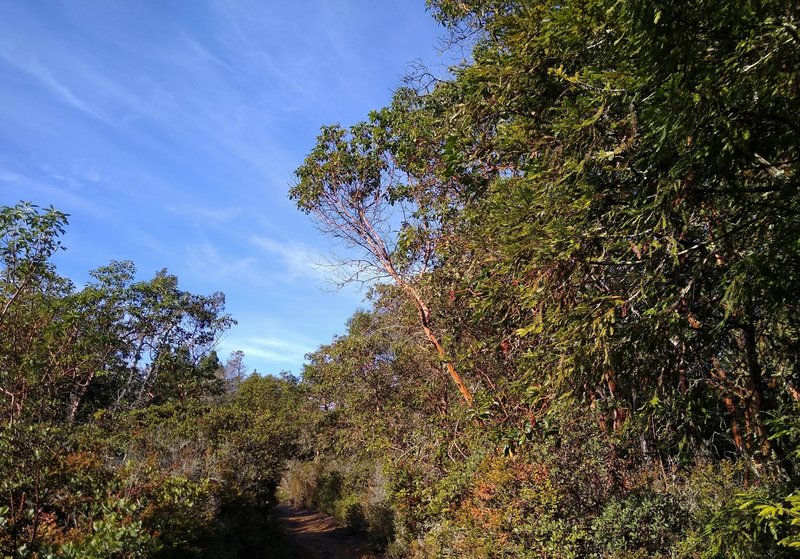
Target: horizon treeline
[122, 435]
[582, 337]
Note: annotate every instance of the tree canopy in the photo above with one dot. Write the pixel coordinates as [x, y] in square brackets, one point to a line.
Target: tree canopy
[608, 192]
[580, 340]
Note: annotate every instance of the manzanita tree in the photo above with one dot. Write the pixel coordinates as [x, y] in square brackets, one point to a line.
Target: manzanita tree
[357, 193]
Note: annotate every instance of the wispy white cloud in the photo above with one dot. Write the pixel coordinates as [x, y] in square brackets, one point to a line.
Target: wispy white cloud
[49, 189]
[197, 51]
[75, 175]
[95, 176]
[8, 176]
[44, 193]
[297, 259]
[204, 258]
[291, 262]
[206, 213]
[33, 66]
[276, 350]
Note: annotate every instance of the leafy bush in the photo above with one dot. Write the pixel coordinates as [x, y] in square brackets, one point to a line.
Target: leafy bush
[114, 534]
[298, 485]
[348, 510]
[379, 519]
[328, 493]
[642, 524]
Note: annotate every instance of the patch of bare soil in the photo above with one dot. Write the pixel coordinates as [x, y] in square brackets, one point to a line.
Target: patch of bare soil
[314, 535]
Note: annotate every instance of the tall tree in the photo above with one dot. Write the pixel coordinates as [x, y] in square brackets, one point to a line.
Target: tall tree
[358, 194]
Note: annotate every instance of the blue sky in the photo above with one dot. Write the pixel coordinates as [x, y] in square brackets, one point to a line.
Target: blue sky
[169, 132]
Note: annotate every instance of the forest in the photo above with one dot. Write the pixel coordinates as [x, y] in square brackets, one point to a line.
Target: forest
[581, 338]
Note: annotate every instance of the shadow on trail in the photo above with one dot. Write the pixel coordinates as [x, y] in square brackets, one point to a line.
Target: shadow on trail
[314, 535]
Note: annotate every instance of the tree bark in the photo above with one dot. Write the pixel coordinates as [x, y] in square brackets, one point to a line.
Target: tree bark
[756, 382]
[424, 318]
[758, 403]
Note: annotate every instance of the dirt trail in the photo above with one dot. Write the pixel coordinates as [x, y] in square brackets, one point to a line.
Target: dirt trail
[317, 536]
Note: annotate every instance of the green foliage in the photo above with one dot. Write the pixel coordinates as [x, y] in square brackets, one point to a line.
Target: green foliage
[298, 484]
[28, 238]
[601, 213]
[328, 494]
[116, 534]
[644, 524]
[609, 193]
[379, 519]
[117, 439]
[349, 510]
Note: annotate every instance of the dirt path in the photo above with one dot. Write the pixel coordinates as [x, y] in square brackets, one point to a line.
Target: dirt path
[317, 536]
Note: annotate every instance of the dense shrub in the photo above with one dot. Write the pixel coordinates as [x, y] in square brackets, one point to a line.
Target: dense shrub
[641, 524]
[298, 486]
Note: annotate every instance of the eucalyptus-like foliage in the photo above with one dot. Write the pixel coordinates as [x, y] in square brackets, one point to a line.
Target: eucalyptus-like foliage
[613, 191]
[630, 203]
